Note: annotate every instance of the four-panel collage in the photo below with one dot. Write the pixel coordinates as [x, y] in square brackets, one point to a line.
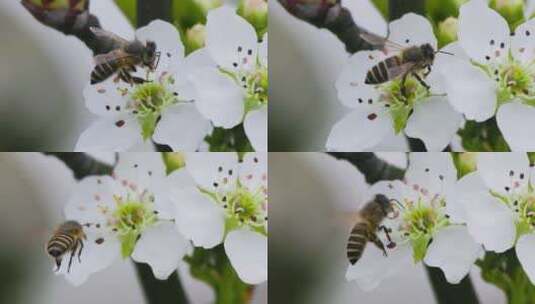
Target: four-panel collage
[138, 145]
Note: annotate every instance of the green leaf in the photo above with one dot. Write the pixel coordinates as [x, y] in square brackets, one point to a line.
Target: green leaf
[128, 7]
[400, 114]
[229, 140]
[128, 243]
[483, 137]
[187, 13]
[419, 247]
[213, 267]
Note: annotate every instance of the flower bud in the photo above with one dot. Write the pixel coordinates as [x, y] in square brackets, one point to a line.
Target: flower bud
[207, 5]
[511, 10]
[256, 12]
[465, 162]
[195, 37]
[174, 161]
[447, 30]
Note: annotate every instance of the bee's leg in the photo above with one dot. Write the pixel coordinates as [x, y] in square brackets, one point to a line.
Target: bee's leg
[390, 244]
[58, 264]
[73, 252]
[428, 67]
[378, 243]
[421, 81]
[403, 80]
[80, 250]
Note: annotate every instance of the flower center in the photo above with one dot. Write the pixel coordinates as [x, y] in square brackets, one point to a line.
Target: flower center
[130, 219]
[148, 100]
[522, 203]
[419, 222]
[514, 80]
[400, 99]
[244, 208]
[255, 83]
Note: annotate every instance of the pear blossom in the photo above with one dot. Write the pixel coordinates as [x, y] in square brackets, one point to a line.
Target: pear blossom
[419, 225]
[492, 72]
[498, 204]
[227, 204]
[127, 214]
[378, 111]
[234, 89]
[161, 109]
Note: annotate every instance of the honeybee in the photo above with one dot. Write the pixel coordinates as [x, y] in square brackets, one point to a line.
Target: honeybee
[369, 220]
[122, 58]
[68, 237]
[408, 61]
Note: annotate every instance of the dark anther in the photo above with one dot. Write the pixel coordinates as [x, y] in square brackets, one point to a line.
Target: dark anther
[249, 52]
[492, 42]
[229, 172]
[527, 33]
[360, 100]
[235, 64]
[370, 101]
[220, 169]
[441, 177]
[216, 184]
[426, 169]
[487, 57]
[511, 173]
[507, 189]
[239, 49]
[521, 175]
[108, 108]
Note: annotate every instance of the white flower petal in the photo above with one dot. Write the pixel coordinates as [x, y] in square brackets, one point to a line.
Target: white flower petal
[210, 168]
[185, 69]
[230, 39]
[162, 247]
[469, 184]
[255, 125]
[95, 256]
[504, 172]
[167, 40]
[263, 50]
[373, 267]
[359, 130]
[434, 173]
[90, 197]
[110, 135]
[522, 45]
[490, 222]
[253, 170]
[470, 91]
[104, 99]
[524, 251]
[516, 122]
[219, 99]
[140, 169]
[483, 32]
[455, 261]
[182, 127]
[427, 116]
[198, 218]
[248, 254]
[350, 85]
[412, 29]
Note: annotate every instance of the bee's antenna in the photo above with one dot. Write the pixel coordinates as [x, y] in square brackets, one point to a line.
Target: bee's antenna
[158, 59]
[447, 53]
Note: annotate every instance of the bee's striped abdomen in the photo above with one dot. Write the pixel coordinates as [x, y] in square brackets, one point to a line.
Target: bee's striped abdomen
[379, 73]
[59, 244]
[357, 242]
[103, 71]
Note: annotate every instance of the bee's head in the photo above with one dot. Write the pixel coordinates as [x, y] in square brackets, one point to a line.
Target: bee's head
[149, 54]
[384, 202]
[428, 51]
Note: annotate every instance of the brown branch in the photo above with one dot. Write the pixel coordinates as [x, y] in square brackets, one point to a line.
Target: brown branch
[330, 15]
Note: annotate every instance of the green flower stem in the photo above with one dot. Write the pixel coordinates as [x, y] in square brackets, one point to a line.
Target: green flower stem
[156, 291]
[213, 267]
[376, 169]
[505, 272]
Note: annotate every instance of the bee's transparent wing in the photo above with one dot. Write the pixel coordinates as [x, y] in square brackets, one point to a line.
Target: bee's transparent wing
[107, 35]
[396, 71]
[380, 43]
[112, 56]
